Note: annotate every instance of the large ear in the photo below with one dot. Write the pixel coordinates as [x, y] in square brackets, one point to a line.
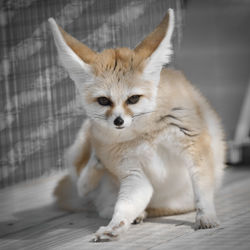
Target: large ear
[155, 50]
[74, 55]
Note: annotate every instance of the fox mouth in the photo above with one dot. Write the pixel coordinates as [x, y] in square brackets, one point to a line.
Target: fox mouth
[119, 127]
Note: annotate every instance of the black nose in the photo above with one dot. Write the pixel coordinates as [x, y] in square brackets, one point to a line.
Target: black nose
[118, 121]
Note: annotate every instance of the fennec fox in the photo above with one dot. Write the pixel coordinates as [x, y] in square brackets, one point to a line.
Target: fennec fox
[151, 144]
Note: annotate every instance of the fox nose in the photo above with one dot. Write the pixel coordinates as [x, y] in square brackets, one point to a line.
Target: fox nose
[118, 121]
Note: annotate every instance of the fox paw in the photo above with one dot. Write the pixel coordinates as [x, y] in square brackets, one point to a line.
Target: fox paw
[110, 233]
[140, 218]
[204, 221]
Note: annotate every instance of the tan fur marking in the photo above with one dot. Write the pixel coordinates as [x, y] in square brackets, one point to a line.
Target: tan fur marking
[64, 182]
[62, 193]
[109, 112]
[83, 159]
[89, 99]
[157, 212]
[121, 224]
[119, 61]
[203, 157]
[152, 41]
[127, 110]
[84, 52]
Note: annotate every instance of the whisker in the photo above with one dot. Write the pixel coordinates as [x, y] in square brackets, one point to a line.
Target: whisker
[101, 116]
[97, 117]
[143, 113]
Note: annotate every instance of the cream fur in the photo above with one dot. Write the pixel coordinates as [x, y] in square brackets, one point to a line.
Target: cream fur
[169, 156]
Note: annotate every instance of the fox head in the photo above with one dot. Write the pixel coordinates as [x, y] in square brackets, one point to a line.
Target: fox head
[118, 86]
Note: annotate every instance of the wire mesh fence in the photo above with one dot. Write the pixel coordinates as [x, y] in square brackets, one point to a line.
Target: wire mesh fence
[40, 111]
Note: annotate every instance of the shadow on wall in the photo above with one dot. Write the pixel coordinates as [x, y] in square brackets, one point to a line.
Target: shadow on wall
[215, 54]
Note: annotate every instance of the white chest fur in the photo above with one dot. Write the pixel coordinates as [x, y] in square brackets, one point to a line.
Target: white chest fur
[160, 160]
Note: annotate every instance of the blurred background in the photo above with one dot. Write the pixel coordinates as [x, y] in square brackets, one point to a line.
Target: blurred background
[40, 112]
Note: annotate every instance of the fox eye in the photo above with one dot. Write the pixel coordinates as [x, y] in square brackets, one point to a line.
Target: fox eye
[133, 99]
[104, 101]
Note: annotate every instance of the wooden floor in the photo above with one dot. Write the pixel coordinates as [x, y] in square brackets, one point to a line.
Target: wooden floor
[29, 220]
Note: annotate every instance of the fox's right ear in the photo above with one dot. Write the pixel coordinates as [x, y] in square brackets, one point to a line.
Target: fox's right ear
[74, 55]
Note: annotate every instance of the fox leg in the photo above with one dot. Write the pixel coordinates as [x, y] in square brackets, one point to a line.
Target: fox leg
[134, 196]
[203, 181]
[90, 176]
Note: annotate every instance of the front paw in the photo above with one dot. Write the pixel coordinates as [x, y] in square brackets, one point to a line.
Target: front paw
[204, 221]
[109, 232]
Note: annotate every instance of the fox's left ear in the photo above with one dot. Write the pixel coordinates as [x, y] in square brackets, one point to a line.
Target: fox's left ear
[155, 50]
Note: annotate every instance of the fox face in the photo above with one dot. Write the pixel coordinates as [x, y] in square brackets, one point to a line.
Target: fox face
[119, 95]
[118, 105]
[118, 86]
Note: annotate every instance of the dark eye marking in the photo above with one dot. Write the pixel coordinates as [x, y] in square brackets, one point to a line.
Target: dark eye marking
[133, 99]
[104, 101]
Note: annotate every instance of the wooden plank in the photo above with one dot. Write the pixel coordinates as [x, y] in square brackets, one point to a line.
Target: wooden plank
[41, 227]
[27, 204]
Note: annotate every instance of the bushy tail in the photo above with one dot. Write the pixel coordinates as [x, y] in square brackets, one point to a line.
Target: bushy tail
[158, 212]
[67, 198]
